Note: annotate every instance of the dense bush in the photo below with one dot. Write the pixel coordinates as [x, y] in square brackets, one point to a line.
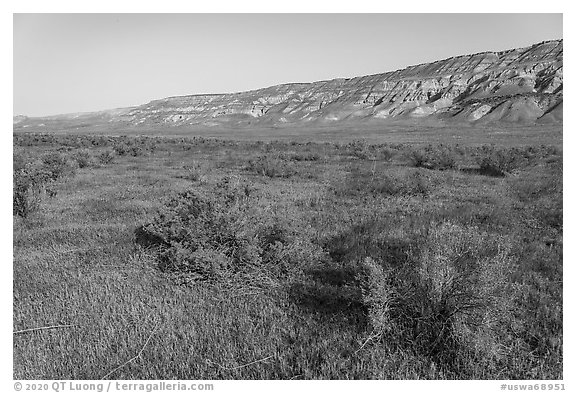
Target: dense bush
[386, 153]
[198, 236]
[451, 298]
[135, 146]
[385, 184]
[233, 191]
[303, 156]
[136, 151]
[359, 149]
[363, 150]
[58, 165]
[271, 166]
[501, 161]
[439, 157]
[28, 187]
[215, 238]
[106, 157]
[82, 157]
[121, 149]
[31, 180]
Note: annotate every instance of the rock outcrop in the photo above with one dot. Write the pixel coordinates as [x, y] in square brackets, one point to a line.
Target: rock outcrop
[514, 86]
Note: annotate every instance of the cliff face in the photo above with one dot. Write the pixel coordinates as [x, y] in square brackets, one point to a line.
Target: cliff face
[519, 85]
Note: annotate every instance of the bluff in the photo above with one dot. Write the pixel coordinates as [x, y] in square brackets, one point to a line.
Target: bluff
[523, 85]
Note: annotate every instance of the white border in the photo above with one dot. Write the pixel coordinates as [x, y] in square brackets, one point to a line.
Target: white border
[301, 6]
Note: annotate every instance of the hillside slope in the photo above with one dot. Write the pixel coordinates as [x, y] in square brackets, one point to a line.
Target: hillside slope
[522, 85]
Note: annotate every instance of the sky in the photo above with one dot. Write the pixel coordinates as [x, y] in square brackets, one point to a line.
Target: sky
[65, 63]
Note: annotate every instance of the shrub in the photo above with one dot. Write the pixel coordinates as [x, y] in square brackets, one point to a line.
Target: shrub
[411, 185]
[31, 180]
[100, 141]
[465, 278]
[271, 166]
[28, 187]
[121, 148]
[500, 161]
[285, 249]
[82, 157]
[305, 156]
[189, 230]
[193, 172]
[434, 157]
[450, 299]
[149, 146]
[133, 147]
[385, 153]
[216, 238]
[57, 165]
[361, 183]
[233, 191]
[106, 157]
[136, 151]
[359, 149]
[380, 297]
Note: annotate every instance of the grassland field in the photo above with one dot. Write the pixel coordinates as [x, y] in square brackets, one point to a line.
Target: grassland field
[287, 259]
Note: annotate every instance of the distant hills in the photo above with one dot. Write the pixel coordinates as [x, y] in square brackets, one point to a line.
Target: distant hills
[516, 86]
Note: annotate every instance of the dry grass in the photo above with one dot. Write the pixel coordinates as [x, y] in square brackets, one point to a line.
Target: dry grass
[76, 262]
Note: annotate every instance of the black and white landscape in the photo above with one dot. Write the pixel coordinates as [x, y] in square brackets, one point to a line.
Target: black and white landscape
[400, 225]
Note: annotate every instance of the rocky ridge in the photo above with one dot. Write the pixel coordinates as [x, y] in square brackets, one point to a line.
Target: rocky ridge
[522, 85]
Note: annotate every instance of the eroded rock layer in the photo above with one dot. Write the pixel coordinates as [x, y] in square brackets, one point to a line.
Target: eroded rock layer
[519, 85]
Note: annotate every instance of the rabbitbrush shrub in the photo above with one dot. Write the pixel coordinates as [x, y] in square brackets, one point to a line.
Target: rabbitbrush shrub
[359, 182]
[82, 157]
[500, 161]
[438, 157]
[31, 179]
[106, 157]
[413, 184]
[28, 187]
[271, 166]
[218, 235]
[57, 165]
[451, 298]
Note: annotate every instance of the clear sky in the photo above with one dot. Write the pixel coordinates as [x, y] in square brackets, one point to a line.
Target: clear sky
[67, 63]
